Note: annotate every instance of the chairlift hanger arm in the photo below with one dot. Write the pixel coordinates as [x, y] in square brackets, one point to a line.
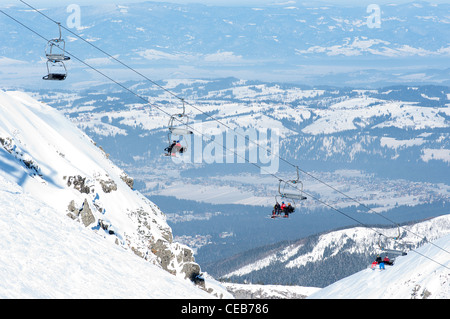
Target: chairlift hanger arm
[298, 175]
[59, 27]
[184, 108]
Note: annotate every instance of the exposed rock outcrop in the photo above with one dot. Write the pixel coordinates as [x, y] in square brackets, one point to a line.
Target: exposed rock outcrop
[153, 239]
[79, 183]
[128, 180]
[87, 218]
[108, 185]
[84, 214]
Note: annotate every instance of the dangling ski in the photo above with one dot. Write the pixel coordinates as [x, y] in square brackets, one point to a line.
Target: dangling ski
[278, 216]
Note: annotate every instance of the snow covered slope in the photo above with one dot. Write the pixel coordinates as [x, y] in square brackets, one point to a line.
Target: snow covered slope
[71, 224]
[412, 276]
[47, 255]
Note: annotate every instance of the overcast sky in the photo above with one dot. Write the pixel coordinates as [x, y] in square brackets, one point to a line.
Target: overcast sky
[217, 2]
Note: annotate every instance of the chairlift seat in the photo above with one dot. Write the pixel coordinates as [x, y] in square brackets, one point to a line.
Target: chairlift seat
[55, 77]
[57, 57]
[293, 196]
[56, 71]
[394, 252]
[180, 131]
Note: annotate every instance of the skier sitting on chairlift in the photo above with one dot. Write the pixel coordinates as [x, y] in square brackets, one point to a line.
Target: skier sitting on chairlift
[169, 148]
[387, 261]
[276, 209]
[288, 210]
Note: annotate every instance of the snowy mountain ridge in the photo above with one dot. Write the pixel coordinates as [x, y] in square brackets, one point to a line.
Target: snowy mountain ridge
[320, 260]
[412, 277]
[56, 168]
[421, 275]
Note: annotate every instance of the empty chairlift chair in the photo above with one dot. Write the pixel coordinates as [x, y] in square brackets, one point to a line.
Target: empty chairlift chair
[55, 52]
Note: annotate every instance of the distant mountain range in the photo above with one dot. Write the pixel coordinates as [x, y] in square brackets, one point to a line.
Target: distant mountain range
[285, 42]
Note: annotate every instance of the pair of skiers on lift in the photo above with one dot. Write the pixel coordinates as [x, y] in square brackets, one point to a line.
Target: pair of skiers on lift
[174, 148]
[278, 209]
[382, 262]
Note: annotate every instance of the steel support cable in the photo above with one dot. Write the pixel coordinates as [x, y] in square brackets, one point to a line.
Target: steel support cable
[225, 125]
[142, 98]
[224, 147]
[269, 151]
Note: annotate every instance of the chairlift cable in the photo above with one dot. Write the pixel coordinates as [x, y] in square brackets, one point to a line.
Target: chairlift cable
[136, 94]
[212, 117]
[225, 125]
[200, 133]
